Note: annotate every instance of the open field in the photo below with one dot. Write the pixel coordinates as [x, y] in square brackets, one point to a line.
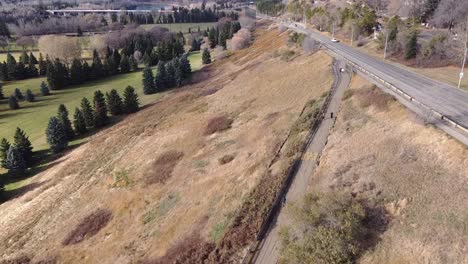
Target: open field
[383, 154]
[33, 117]
[171, 177]
[182, 27]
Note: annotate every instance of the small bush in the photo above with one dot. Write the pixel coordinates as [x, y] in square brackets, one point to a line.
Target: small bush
[89, 226]
[372, 96]
[226, 159]
[347, 94]
[333, 229]
[361, 43]
[218, 124]
[288, 55]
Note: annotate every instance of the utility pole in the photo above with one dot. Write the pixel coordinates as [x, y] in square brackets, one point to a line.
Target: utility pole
[464, 55]
[386, 41]
[333, 29]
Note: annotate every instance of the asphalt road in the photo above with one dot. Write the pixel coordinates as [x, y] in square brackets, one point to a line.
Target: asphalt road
[444, 98]
[269, 248]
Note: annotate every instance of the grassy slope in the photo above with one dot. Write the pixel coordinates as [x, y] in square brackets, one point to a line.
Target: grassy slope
[381, 152]
[33, 117]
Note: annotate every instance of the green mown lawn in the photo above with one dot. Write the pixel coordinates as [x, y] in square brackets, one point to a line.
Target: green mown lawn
[33, 117]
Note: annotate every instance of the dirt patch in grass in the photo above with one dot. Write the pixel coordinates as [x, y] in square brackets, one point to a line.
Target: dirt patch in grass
[88, 227]
[218, 124]
[161, 169]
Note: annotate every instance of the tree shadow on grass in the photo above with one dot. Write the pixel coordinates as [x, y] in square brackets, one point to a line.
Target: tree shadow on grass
[12, 194]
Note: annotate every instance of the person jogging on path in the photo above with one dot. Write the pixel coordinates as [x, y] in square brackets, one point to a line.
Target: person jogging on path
[331, 115]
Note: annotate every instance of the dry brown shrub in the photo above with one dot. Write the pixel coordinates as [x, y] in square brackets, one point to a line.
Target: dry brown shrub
[217, 124]
[18, 260]
[226, 159]
[373, 96]
[89, 226]
[192, 249]
[162, 168]
[209, 91]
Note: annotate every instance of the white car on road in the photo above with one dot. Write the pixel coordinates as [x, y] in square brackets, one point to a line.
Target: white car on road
[334, 40]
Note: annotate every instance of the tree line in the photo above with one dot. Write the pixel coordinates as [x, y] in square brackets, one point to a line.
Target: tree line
[17, 157]
[17, 96]
[169, 74]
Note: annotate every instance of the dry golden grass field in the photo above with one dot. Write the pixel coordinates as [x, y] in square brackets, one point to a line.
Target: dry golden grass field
[176, 172]
[382, 153]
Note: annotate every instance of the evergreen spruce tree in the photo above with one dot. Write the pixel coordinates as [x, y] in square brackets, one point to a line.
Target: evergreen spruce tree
[194, 46]
[147, 59]
[161, 79]
[206, 56]
[18, 94]
[222, 39]
[88, 114]
[14, 162]
[411, 48]
[130, 101]
[62, 115]
[56, 135]
[44, 89]
[13, 103]
[51, 75]
[133, 63]
[42, 65]
[32, 58]
[112, 66]
[76, 72]
[170, 74]
[11, 67]
[148, 81]
[177, 72]
[117, 57]
[24, 146]
[29, 96]
[100, 110]
[185, 67]
[24, 58]
[124, 64]
[4, 71]
[79, 122]
[61, 75]
[97, 69]
[114, 103]
[4, 146]
[32, 70]
[86, 71]
[212, 38]
[1, 92]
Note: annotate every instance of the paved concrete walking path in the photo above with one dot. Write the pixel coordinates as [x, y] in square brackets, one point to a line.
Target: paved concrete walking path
[268, 251]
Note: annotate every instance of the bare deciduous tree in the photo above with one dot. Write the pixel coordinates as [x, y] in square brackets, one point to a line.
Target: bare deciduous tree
[240, 40]
[450, 13]
[25, 41]
[61, 47]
